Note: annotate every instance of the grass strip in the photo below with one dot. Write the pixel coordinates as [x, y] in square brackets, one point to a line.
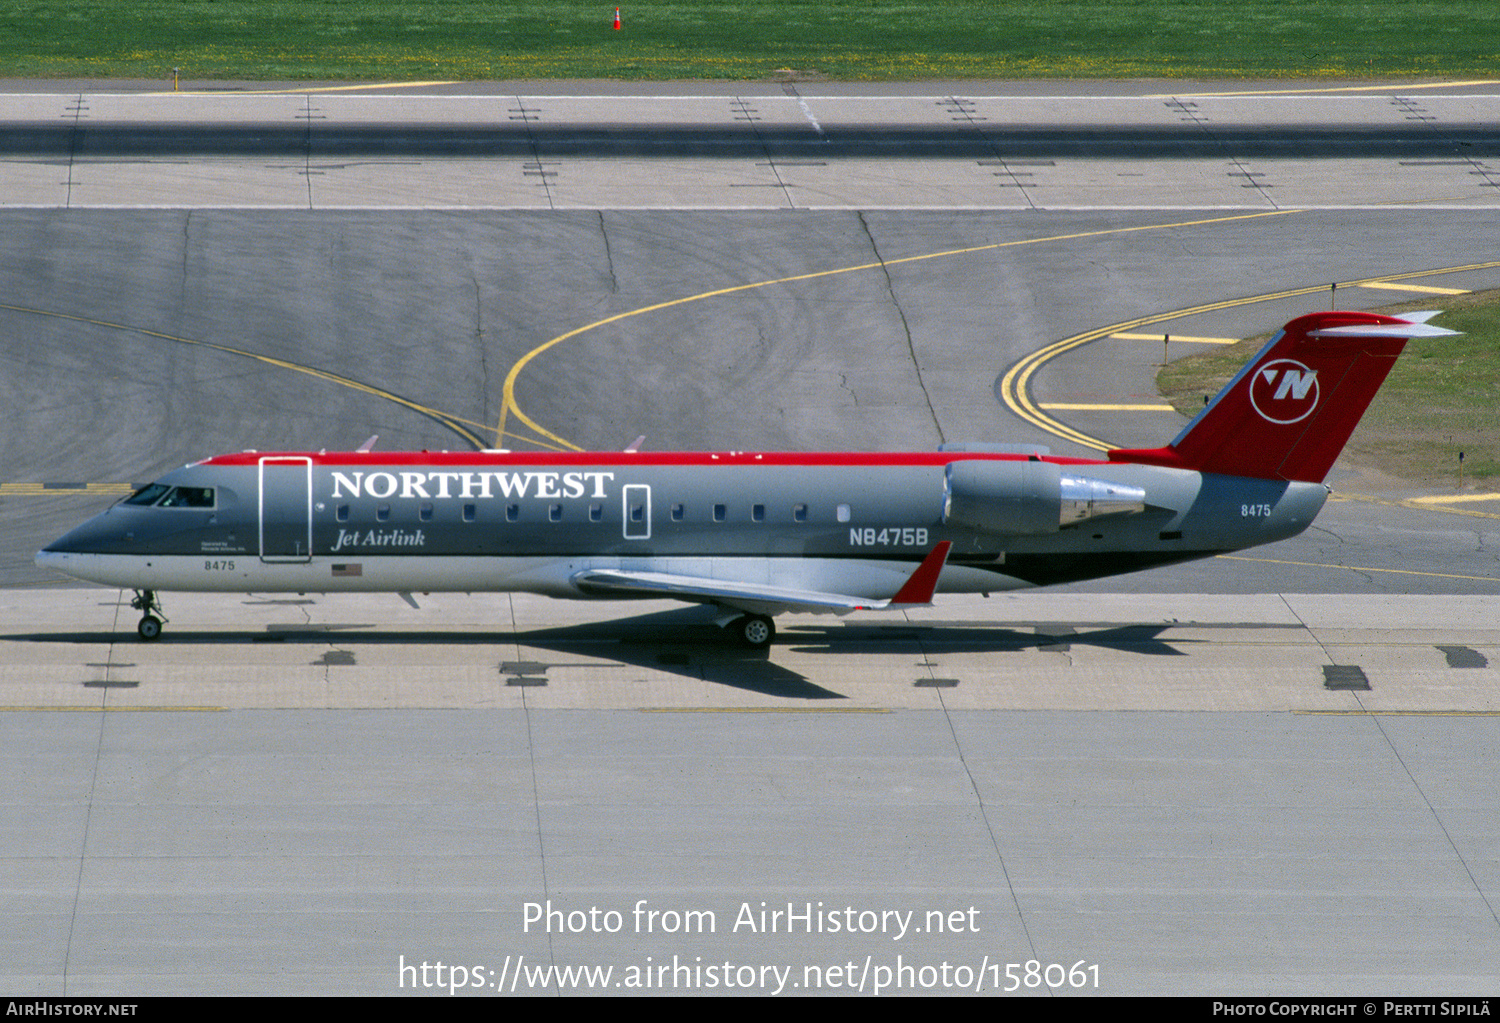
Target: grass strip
[876, 40]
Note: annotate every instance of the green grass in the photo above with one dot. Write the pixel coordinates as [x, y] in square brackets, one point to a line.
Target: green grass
[1441, 398]
[749, 39]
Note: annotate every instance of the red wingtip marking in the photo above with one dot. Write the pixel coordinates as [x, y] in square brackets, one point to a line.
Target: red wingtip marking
[923, 582]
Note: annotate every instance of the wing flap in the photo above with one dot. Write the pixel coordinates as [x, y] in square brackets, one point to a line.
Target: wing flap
[622, 582]
[917, 590]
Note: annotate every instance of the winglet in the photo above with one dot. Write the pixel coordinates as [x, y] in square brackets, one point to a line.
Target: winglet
[923, 582]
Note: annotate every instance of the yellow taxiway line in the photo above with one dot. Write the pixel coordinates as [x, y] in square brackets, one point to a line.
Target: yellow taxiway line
[1361, 568]
[510, 407]
[454, 423]
[1400, 88]
[1016, 384]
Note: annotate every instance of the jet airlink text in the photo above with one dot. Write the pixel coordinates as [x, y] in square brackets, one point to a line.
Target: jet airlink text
[380, 538]
[470, 486]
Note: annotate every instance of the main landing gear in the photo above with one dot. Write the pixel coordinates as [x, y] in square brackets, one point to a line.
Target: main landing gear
[754, 631]
[149, 627]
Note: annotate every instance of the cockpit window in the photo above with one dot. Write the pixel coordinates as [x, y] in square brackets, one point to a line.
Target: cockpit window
[147, 495]
[161, 496]
[188, 497]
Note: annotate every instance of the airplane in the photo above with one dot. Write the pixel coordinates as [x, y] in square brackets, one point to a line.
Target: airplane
[754, 533]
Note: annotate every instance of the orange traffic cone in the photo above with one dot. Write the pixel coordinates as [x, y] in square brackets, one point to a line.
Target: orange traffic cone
[617, 19]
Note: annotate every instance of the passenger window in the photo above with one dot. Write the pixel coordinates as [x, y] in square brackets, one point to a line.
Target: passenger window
[678, 511]
[554, 512]
[758, 513]
[383, 512]
[720, 513]
[342, 513]
[471, 512]
[799, 513]
[596, 512]
[512, 512]
[425, 512]
[843, 513]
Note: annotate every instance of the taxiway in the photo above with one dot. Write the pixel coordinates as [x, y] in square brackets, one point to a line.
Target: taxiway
[1278, 783]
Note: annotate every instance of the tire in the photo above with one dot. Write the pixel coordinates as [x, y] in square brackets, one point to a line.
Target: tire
[149, 628]
[755, 631]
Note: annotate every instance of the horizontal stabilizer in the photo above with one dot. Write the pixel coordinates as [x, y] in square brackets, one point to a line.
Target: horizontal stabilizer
[1401, 330]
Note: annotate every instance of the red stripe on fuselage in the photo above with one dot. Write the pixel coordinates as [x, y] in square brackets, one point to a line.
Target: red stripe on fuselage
[851, 459]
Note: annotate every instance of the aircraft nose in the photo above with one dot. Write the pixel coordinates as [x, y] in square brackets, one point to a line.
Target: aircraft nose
[77, 554]
[99, 535]
[51, 560]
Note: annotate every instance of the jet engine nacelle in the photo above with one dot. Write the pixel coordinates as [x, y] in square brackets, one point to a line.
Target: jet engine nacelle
[1016, 498]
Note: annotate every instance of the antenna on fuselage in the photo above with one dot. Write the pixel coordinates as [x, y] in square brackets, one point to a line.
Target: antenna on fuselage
[368, 445]
[635, 445]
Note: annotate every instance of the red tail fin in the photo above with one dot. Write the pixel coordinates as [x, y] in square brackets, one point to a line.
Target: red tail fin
[1289, 412]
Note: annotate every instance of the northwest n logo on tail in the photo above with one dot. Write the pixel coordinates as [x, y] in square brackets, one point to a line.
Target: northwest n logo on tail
[1284, 391]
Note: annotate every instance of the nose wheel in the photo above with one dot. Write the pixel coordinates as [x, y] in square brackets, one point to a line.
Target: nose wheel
[149, 627]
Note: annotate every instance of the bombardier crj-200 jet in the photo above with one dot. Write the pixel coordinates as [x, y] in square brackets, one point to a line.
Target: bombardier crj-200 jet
[757, 533]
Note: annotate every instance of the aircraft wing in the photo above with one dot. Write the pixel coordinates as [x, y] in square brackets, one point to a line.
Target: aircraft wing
[917, 590]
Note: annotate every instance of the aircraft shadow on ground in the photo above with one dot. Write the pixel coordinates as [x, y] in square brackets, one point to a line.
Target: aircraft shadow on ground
[681, 641]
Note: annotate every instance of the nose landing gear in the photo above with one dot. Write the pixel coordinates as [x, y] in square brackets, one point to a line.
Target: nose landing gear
[149, 627]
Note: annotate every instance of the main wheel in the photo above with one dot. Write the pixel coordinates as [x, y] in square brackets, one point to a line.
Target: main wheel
[149, 628]
[755, 631]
